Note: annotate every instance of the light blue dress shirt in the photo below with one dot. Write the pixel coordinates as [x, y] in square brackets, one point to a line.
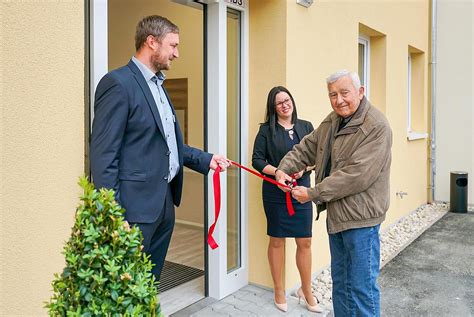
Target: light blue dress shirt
[155, 83]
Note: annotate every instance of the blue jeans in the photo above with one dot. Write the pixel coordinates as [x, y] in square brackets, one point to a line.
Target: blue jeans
[355, 266]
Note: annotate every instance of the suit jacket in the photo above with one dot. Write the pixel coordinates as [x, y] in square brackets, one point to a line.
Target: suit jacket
[270, 149]
[128, 150]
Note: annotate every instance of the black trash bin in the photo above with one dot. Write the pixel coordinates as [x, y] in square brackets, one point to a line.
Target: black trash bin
[458, 192]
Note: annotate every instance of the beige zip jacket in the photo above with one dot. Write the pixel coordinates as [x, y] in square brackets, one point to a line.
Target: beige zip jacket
[357, 190]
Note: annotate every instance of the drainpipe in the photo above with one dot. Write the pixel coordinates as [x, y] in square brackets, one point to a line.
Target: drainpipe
[433, 98]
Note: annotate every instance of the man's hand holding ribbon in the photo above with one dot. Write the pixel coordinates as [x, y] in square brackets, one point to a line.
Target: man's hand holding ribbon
[300, 193]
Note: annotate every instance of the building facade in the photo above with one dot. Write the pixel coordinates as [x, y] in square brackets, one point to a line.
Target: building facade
[231, 54]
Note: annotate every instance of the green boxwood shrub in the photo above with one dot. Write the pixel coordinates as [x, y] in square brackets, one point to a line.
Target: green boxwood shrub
[106, 272]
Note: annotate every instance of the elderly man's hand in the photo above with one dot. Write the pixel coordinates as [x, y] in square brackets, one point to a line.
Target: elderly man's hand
[283, 178]
[300, 193]
[299, 175]
[219, 160]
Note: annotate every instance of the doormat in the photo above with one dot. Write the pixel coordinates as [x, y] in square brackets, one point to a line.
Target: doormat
[175, 274]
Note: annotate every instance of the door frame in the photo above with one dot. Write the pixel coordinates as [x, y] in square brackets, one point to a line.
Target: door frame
[98, 37]
[220, 283]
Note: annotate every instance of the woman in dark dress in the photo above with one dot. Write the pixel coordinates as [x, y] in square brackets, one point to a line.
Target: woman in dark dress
[277, 135]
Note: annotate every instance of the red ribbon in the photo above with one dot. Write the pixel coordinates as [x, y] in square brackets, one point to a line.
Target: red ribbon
[216, 180]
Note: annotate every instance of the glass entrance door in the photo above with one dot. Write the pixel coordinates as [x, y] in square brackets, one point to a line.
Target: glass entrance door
[226, 44]
[234, 256]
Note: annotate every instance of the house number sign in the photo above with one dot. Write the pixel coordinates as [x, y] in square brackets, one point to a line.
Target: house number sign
[238, 3]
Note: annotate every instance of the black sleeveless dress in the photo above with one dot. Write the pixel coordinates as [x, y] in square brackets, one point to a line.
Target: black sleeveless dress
[279, 223]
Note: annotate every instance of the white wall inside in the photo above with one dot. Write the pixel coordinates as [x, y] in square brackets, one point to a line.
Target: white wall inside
[454, 95]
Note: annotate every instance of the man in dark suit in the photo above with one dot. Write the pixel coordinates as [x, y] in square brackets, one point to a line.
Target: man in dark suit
[137, 147]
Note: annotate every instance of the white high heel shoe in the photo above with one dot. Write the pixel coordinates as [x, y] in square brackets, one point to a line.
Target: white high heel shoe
[312, 308]
[283, 307]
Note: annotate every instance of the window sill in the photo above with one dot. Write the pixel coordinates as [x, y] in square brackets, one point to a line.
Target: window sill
[412, 135]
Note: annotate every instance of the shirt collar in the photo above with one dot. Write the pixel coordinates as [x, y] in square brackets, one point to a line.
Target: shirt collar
[148, 73]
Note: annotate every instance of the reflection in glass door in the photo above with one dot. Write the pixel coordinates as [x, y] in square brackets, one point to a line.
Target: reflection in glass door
[233, 140]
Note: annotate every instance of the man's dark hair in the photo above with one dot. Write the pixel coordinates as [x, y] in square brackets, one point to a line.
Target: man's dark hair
[155, 25]
[271, 115]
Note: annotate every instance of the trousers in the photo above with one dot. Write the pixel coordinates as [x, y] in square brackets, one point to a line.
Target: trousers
[355, 266]
[157, 235]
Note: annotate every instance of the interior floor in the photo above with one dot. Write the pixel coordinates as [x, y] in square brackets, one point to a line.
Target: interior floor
[186, 248]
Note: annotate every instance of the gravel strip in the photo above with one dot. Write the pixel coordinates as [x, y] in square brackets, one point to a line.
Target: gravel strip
[393, 240]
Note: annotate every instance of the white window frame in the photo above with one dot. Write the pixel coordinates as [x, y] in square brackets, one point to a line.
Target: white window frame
[411, 135]
[409, 95]
[365, 41]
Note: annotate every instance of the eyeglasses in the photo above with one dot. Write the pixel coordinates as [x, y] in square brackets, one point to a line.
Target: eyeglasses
[286, 101]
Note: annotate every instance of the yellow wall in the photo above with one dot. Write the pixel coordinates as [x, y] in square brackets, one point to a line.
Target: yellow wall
[42, 145]
[267, 68]
[299, 47]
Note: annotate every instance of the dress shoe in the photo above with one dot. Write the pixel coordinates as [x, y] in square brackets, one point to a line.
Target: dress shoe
[283, 307]
[312, 308]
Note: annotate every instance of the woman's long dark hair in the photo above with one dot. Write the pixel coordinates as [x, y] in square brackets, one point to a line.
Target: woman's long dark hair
[271, 115]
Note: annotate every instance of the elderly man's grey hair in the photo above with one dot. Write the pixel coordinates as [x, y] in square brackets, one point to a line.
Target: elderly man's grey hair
[343, 73]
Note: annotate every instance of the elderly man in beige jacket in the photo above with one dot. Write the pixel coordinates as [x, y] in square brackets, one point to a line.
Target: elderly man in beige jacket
[351, 155]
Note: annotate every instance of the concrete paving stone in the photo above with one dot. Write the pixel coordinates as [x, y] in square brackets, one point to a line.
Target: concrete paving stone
[252, 300]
